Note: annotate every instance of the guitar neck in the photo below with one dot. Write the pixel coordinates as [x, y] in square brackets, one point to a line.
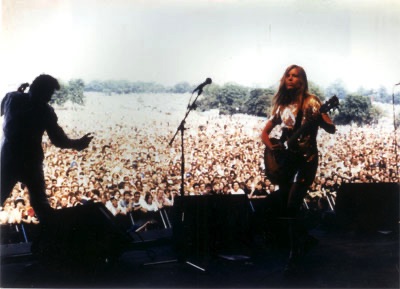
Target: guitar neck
[326, 107]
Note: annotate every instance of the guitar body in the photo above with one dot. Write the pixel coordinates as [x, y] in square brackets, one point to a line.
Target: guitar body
[280, 164]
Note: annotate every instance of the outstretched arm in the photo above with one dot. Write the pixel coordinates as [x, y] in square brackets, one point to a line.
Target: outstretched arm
[61, 140]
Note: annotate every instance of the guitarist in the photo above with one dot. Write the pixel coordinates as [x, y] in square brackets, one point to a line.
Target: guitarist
[293, 107]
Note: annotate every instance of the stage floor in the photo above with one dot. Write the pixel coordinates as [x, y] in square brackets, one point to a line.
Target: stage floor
[341, 260]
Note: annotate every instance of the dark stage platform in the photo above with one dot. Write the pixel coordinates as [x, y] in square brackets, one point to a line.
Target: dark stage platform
[343, 259]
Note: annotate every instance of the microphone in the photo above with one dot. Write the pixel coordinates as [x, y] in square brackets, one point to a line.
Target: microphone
[200, 87]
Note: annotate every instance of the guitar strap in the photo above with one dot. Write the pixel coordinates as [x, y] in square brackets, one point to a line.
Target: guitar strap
[298, 119]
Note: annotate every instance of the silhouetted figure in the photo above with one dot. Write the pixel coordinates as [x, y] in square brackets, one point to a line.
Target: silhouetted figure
[26, 117]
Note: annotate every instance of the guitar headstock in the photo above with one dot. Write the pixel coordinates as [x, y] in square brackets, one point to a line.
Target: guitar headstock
[331, 103]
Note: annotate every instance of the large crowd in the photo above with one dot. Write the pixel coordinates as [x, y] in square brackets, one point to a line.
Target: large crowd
[132, 166]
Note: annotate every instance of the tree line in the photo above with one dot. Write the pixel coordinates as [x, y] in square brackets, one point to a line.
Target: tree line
[231, 98]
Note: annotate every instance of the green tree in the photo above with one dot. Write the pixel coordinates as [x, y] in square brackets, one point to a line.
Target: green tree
[365, 91]
[376, 113]
[73, 91]
[259, 102]
[182, 87]
[358, 109]
[336, 88]
[209, 99]
[60, 97]
[382, 95]
[315, 89]
[229, 99]
[122, 87]
[94, 85]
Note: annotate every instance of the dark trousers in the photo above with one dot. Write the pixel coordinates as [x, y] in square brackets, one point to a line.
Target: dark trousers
[291, 199]
[15, 169]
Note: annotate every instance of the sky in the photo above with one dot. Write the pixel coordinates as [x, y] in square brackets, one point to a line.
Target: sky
[249, 42]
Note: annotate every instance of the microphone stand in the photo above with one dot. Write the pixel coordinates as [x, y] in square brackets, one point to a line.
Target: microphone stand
[181, 128]
[395, 133]
[180, 215]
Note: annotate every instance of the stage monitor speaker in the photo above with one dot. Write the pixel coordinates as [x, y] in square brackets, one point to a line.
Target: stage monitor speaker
[203, 225]
[368, 206]
[81, 235]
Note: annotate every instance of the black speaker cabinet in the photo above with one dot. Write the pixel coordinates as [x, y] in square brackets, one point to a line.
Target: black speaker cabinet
[368, 206]
[81, 235]
[204, 225]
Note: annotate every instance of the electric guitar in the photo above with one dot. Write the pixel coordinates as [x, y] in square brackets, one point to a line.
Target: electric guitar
[278, 162]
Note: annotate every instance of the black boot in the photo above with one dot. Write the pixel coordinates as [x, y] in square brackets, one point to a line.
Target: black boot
[291, 268]
[306, 244]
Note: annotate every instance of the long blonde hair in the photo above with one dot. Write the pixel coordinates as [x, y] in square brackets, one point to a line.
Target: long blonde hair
[283, 97]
